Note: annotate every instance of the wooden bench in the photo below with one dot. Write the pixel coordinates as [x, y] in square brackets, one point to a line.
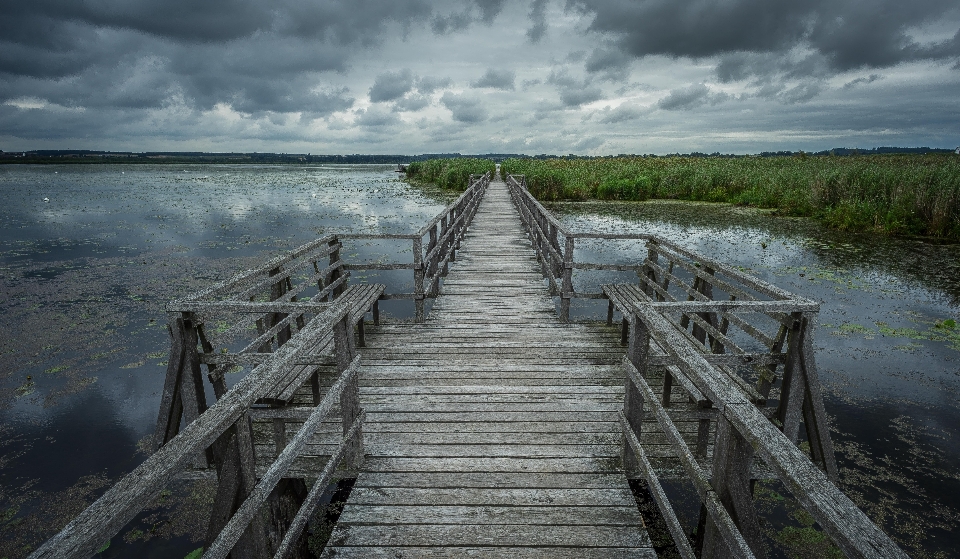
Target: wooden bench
[362, 299]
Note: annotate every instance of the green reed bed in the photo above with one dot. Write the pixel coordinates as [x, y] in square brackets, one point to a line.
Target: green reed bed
[899, 194]
[449, 173]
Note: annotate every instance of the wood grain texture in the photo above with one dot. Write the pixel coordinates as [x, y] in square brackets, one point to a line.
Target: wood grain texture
[491, 427]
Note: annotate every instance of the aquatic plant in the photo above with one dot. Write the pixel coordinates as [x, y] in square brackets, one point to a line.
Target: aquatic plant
[451, 173]
[898, 194]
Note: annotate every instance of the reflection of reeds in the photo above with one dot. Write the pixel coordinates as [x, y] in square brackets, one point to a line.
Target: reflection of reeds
[901, 194]
[449, 173]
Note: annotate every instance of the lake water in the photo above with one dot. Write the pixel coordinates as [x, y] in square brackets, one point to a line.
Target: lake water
[85, 276]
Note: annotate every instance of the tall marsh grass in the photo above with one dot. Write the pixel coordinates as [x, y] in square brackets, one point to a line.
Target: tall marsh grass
[452, 174]
[898, 194]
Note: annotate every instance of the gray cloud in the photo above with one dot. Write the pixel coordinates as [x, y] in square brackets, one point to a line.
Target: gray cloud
[573, 92]
[497, 79]
[611, 61]
[484, 11]
[622, 113]
[429, 84]
[391, 85]
[862, 80]
[538, 21]
[147, 54]
[685, 98]
[376, 116]
[285, 76]
[464, 108]
[444, 24]
[412, 103]
[846, 34]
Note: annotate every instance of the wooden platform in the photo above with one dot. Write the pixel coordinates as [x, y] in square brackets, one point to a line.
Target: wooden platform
[491, 428]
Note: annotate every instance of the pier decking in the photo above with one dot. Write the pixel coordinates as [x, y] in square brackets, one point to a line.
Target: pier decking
[492, 425]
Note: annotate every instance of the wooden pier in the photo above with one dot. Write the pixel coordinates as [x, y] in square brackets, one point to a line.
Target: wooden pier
[492, 425]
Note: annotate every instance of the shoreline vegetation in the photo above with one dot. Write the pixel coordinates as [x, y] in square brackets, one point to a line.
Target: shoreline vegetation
[451, 174]
[892, 194]
[901, 194]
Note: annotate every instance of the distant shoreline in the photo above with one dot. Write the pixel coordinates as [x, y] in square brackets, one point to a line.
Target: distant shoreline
[180, 158]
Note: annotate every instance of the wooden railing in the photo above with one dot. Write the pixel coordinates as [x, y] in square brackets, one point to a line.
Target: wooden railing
[555, 246]
[741, 351]
[223, 434]
[288, 322]
[435, 245]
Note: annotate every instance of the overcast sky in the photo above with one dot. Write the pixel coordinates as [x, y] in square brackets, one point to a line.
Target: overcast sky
[542, 76]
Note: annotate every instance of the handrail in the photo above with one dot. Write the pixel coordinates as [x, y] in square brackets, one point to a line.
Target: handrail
[704, 362]
[544, 229]
[85, 534]
[840, 518]
[106, 516]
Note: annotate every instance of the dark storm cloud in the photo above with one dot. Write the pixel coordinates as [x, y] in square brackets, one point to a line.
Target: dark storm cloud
[497, 79]
[845, 34]
[255, 56]
[391, 85]
[464, 108]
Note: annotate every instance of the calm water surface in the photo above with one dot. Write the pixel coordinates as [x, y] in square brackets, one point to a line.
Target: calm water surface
[84, 277]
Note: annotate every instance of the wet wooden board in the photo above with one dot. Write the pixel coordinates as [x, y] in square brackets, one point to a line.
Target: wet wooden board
[491, 427]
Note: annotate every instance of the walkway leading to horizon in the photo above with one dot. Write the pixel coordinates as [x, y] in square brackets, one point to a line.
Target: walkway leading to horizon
[492, 427]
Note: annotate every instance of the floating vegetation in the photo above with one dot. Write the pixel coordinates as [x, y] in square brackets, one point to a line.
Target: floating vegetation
[937, 331]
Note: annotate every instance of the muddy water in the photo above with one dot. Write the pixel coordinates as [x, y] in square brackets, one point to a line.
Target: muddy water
[888, 344]
[84, 277]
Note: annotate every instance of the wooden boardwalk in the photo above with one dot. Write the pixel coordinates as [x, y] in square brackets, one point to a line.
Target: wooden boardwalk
[492, 427]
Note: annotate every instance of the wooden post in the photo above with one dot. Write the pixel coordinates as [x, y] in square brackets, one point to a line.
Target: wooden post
[171, 408]
[336, 273]
[444, 229]
[801, 398]
[183, 398]
[650, 272]
[791, 388]
[732, 459]
[706, 288]
[418, 278]
[350, 397]
[638, 353]
[276, 292]
[237, 475]
[282, 506]
[566, 291]
[432, 262]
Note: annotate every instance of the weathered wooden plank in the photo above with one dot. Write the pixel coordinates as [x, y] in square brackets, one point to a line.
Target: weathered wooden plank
[591, 515]
[505, 535]
[447, 552]
[471, 493]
